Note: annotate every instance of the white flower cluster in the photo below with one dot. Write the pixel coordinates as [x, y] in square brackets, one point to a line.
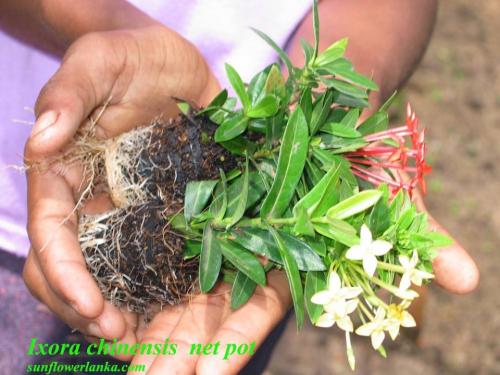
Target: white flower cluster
[341, 298]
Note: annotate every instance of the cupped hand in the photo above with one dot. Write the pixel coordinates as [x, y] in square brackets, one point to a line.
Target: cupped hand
[136, 74]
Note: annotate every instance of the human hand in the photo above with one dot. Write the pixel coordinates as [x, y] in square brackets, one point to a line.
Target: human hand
[136, 73]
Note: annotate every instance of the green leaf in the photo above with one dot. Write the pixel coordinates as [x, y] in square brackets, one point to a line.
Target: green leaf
[355, 204]
[345, 88]
[384, 107]
[210, 260]
[238, 86]
[261, 242]
[191, 249]
[220, 115]
[256, 85]
[332, 53]
[303, 225]
[321, 111]
[275, 84]
[215, 104]
[353, 77]
[241, 204]
[243, 261]
[265, 107]
[196, 197]
[315, 282]
[282, 54]
[380, 216]
[219, 204]
[322, 196]
[243, 288]
[293, 276]
[379, 121]
[307, 259]
[231, 128]
[340, 130]
[308, 51]
[338, 230]
[291, 161]
[316, 28]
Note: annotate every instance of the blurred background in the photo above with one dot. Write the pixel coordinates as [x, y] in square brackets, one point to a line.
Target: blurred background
[456, 94]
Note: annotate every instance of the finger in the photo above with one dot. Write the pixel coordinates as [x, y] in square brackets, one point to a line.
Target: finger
[453, 268]
[200, 320]
[52, 228]
[156, 333]
[39, 288]
[249, 326]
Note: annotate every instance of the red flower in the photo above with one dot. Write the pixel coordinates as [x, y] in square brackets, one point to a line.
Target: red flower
[391, 154]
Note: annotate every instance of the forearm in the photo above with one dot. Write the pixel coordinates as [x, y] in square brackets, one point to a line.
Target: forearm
[52, 25]
[387, 38]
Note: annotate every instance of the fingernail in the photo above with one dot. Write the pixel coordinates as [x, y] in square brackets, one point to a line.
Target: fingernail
[44, 121]
[93, 329]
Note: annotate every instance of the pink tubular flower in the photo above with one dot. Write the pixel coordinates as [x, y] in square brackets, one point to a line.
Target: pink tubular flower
[391, 154]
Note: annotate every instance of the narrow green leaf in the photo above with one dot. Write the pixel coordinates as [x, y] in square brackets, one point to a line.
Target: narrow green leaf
[215, 104]
[308, 51]
[379, 121]
[210, 260]
[243, 288]
[231, 128]
[355, 204]
[338, 230]
[282, 54]
[322, 196]
[265, 107]
[261, 242]
[275, 83]
[332, 53]
[241, 201]
[303, 225]
[238, 86]
[345, 88]
[321, 111]
[384, 107]
[340, 130]
[351, 76]
[293, 276]
[191, 249]
[316, 28]
[196, 197]
[219, 205]
[291, 161]
[315, 282]
[244, 261]
[221, 114]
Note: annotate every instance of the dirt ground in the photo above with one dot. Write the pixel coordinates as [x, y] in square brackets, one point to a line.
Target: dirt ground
[456, 93]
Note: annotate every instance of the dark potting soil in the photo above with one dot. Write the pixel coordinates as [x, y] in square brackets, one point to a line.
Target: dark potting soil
[139, 260]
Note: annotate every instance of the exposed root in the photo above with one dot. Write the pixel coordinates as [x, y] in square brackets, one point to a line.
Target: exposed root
[136, 258]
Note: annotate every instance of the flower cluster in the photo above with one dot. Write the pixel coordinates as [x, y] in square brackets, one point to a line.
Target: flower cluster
[391, 154]
[360, 266]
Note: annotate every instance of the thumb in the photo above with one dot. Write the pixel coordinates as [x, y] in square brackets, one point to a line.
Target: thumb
[68, 98]
[454, 269]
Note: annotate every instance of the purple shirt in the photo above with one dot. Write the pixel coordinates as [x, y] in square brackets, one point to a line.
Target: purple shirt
[220, 29]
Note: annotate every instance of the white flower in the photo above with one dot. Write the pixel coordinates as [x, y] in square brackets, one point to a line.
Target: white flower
[334, 297]
[407, 294]
[342, 318]
[368, 250]
[397, 316]
[411, 273]
[375, 329]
